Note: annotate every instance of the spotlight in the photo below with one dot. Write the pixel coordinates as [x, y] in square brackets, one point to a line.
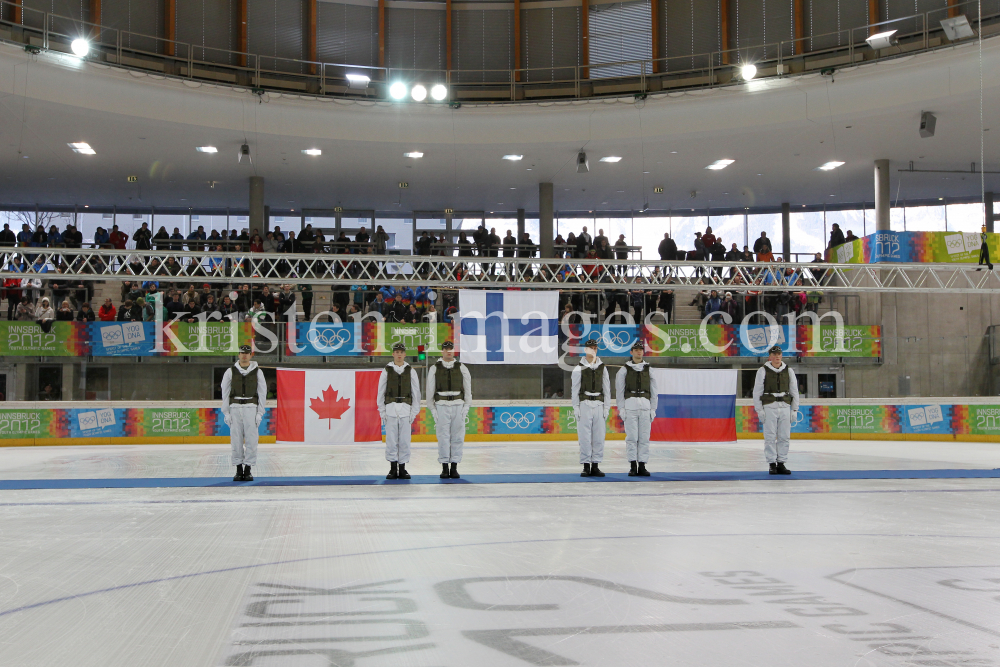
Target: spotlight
[416, 155]
[357, 81]
[882, 40]
[418, 93]
[829, 166]
[206, 149]
[81, 147]
[312, 151]
[439, 92]
[957, 28]
[244, 153]
[397, 91]
[719, 164]
[582, 165]
[748, 72]
[928, 122]
[80, 46]
[513, 157]
[611, 158]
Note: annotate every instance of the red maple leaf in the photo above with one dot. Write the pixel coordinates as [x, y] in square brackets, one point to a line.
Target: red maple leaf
[329, 407]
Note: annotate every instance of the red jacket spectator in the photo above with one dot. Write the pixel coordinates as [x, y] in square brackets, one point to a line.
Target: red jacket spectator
[118, 239]
[107, 312]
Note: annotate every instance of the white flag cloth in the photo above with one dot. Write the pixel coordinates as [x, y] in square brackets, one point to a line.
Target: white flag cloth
[508, 327]
[327, 406]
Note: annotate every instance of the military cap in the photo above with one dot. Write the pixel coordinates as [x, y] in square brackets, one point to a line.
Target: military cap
[447, 345]
[775, 349]
[398, 346]
[638, 345]
[246, 349]
[593, 342]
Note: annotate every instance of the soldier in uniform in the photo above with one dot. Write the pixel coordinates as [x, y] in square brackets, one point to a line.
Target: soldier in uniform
[449, 397]
[635, 389]
[243, 409]
[776, 398]
[398, 401]
[591, 403]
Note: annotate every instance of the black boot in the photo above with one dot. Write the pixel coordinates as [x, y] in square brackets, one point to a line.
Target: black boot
[632, 472]
[642, 470]
[445, 474]
[773, 469]
[247, 477]
[238, 477]
[393, 470]
[402, 471]
[781, 469]
[595, 471]
[454, 471]
[586, 470]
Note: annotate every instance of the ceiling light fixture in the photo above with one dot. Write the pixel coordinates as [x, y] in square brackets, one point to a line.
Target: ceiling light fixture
[80, 47]
[827, 166]
[312, 151]
[513, 158]
[418, 93]
[82, 147]
[207, 149]
[398, 90]
[414, 154]
[439, 91]
[611, 158]
[720, 164]
[882, 40]
[748, 72]
[357, 81]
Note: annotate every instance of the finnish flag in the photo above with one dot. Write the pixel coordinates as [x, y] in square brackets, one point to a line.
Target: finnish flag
[508, 327]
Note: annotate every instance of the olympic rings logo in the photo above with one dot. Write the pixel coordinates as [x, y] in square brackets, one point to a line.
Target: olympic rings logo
[518, 419]
[328, 338]
[617, 340]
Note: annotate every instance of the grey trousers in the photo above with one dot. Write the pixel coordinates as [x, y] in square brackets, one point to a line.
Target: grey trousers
[450, 428]
[590, 431]
[777, 431]
[243, 434]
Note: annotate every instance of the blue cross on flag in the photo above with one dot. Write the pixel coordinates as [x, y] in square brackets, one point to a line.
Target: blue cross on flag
[519, 327]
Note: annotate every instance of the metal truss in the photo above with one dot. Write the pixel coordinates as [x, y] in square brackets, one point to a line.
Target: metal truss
[491, 272]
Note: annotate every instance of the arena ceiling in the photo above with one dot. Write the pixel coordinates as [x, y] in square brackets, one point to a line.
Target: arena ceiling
[777, 131]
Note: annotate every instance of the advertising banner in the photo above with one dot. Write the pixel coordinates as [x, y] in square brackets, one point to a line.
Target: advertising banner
[208, 339]
[122, 339]
[326, 339]
[850, 341]
[614, 340]
[118, 423]
[684, 340]
[894, 246]
[411, 335]
[64, 339]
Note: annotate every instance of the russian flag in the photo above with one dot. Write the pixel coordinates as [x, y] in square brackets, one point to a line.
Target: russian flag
[327, 406]
[695, 405]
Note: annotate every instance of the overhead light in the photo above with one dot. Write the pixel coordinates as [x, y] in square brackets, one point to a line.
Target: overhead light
[244, 153]
[207, 149]
[357, 80]
[312, 151]
[882, 40]
[957, 27]
[81, 47]
[398, 90]
[830, 165]
[414, 154]
[720, 164]
[513, 157]
[439, 92]
[82, 147]
[582, 164]
[418, 93]
[748, 72]
[611, 158]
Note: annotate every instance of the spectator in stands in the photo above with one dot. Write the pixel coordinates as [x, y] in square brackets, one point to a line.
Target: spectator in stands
[101, 238]
[708, 239]
[270, 243]
[85, 314]
[378, 305]
[128, 312]
[117, 238]
[191, 312]
[65, 312]
[39, 239]
[718, 252]
[362, 236]
[49, 393]
[267, 299]
[25, 310]
[600, 237]
[762, 245]
[412, 316]
[747, 254]
[286, 300]
[256, 243]
[174, 307]
[45, 315]
[227, 309]
[24, 237]
[142, 237]
[731, 307]
[621, 251]
[147, 309]
[423, 243]
[176, 240]
[279, 235]
[107, 312]
[32, 288]
[381, 240]
[12, 290]
[397, 312]
[667, 248]
[7, 237]
[256, 312]
[194, 237]
[161, 240]
[850, 237]
[713, 305]
[72, 237]
[244, 299]
[836, 236]
[464, 245]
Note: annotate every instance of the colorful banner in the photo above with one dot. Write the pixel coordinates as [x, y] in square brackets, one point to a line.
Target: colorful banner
[326, 339]
[684, 340]
[914, 247]
[118, 423]
[63, 339]
[122, 339]
[411, 335]
[720, 340]
[513, 421]
[614, 340]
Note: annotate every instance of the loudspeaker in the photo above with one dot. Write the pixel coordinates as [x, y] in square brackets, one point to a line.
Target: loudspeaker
[927, 124]
[582, 165]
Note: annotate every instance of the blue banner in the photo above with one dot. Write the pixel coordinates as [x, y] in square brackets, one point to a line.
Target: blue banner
[122, 339]
[755, 341]
[326, 339]
[891, 247]
[615, 340]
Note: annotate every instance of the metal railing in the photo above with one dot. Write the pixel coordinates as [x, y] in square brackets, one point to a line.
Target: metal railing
[921, 31]
[491, 273]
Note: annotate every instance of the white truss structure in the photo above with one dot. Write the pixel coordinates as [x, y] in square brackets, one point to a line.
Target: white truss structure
[491, 272]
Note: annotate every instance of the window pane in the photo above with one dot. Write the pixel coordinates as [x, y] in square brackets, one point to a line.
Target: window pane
[897, 219]
[400, 230]
[925, 219]
[808, 235]
[613, 227]
[849, 221]
[965, 217]
[648, 234]
[769, 223]
[728, 229]
[168, 222]
[683, 229]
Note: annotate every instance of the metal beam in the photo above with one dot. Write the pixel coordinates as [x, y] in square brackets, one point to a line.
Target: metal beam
[381, 33]
[242, 41]
[654, 31]
[170, 27]
[447, 34]
[799, 11]
[953, 8]
[95, 17]
[584, 39]
[517, 39]
[724, 30]
[509, 272]
[872, 17]
[312, 36]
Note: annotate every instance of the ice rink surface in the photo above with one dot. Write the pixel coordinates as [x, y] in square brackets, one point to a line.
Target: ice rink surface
[707, 574]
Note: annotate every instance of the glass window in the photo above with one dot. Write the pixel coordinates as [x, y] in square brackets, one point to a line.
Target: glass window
[925, 219]
[852, 220]
[965, 217]
[400, 231]
[613, 228]
[88, 224]
[807, 235]
[728, 229]
[768, 223]
[897, 219]
[648, 234]
[168, 222]
[531, 227]
[682, 230]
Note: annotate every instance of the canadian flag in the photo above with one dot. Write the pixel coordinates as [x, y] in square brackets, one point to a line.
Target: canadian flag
[327, 406]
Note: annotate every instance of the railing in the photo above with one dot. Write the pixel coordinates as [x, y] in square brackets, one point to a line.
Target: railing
[44, 30]
[491, 273]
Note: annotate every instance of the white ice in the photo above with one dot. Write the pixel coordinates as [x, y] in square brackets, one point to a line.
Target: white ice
[707, 574]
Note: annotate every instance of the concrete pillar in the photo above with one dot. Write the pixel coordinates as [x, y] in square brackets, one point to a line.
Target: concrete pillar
[988, 201]
[881, 195]
[449, 226]
[786, 231]
[258, 219]
[520, 224]
[68, 381]
[545, 219]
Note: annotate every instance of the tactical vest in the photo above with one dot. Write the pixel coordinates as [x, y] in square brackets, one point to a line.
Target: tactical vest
[637, 382]
[776, 383]
[449, 385]
[243, 389]
[592, 383]
[397, 385]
